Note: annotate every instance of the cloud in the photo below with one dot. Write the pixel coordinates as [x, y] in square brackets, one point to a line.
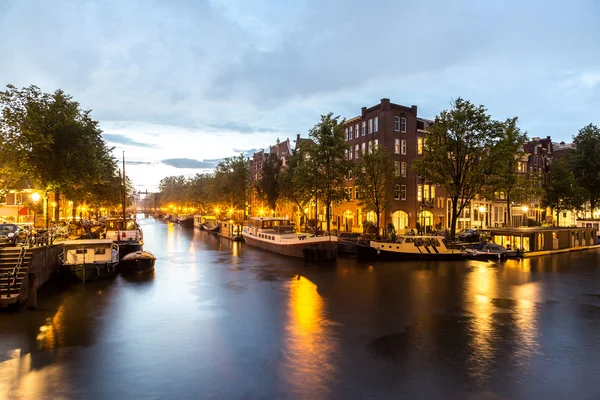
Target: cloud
[247, 153]
[140, 162]
[240, 127]
[122, 139]
[190, 163]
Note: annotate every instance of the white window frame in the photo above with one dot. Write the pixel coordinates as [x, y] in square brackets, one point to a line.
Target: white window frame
[403, 125]
[356, 150]
[396, 124]
[402, 192]
[357, 131]
[370, 126]
[403, 169]
[364, 147]
[403, 146]
[364, 128]
[396, 146]
[376, 124]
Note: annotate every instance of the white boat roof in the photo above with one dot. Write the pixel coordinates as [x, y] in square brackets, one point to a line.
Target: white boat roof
[87, 242]
[421, 236]
[270, 219]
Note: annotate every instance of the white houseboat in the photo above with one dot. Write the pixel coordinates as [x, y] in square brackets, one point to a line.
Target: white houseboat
[126, 233]
[278, 235]
[410, 247]
[90, 259]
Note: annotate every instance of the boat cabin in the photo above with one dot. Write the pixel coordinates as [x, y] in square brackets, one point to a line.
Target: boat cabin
[275, 225]
[76, 252]
[122, 230]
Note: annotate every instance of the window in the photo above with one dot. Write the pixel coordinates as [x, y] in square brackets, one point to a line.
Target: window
[99, 251]
[426, 192]
[356, 131]
[364, 147]
[419, 193]
[396, 124]
[397, 168]
[403, 125]
[397, 192]
[356, 150]
[370, 126]
[351, 153]
[419, 145]
[403, 169]
[535, 159]
[346, 133]
[347, 156]
[18, 198]
[364, 128]
[376, 143]
[376, 124]
[432, 192]
[402, 192]
[356, 193]
[403, 146]
[350, 133]
[396, 146]
[350, 193]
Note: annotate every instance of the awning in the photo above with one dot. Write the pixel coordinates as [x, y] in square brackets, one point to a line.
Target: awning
[24, 211]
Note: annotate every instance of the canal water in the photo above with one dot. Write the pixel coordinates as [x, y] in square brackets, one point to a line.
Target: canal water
[222, 320]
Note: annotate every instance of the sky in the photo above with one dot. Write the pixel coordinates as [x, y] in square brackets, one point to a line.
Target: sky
[180, 84]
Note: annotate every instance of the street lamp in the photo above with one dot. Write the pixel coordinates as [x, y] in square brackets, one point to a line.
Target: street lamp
[524, 209]
[482, 212]
[35, 197]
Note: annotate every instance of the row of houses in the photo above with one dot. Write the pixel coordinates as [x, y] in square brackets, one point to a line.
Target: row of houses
[417, 204]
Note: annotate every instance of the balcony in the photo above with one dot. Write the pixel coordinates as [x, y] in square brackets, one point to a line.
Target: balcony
[427, 202]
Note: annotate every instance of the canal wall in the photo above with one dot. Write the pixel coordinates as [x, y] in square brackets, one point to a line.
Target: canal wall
[44, 263]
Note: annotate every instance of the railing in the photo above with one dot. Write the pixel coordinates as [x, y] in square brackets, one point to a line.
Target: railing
[10, 278]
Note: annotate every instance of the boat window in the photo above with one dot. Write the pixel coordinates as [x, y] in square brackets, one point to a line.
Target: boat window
[435, 242]
[81, 251]
[400, 240]
[100, 251]
[130, 226]
[426, 242]
[418, 242]
[409, 240]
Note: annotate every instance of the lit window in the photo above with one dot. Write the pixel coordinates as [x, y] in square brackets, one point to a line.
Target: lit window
[403, 169]
[397, 168]
[403, 125]
[426, 192]
[364, 128]
[396, 124]
[403, 146]
[419, 145]
[419, 193]
[432, 191]
[370, 126]
[396, 146]
[356, 131]
[376, 124]
[402, 192]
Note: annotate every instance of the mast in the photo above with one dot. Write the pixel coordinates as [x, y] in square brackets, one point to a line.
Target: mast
[123, 188]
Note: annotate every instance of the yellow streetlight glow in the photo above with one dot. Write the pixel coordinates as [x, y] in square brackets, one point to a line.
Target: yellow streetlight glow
[525, 209]
[217, 210]
[482, 209]
[35, 196]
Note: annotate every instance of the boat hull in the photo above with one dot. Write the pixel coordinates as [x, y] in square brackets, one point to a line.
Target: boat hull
[187, 223]
[212, 229]
[137, 265]
[323, 250]
[91, 272]
[368, 252]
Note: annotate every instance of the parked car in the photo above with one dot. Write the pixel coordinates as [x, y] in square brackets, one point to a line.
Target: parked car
[469, 235]
[11, 234]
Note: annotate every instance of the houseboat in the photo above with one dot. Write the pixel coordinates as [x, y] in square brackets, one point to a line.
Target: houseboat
[90, 259]
[137, 262]
[535, 241]
[231, 230]
[186, 221]
[126, 233]
[410, 247]
[278, 236]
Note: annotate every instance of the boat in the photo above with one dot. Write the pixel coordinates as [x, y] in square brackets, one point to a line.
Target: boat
[487, 251]
[231, 230]
[137, 262]
[410, 247]
[90, 259]
[126, 233]
[211, 225]
[278, 236]
[186, 220]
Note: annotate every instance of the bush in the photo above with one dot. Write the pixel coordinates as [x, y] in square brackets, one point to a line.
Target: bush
[369, 227]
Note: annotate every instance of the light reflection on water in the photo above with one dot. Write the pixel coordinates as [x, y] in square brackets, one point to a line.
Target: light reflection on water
[308, 340]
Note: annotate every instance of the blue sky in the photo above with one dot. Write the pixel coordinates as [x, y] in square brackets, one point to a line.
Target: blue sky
[181, 84]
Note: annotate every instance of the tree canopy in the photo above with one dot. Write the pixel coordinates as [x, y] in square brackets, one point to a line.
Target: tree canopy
[585, 162]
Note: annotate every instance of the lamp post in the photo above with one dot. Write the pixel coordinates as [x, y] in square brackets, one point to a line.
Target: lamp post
[482, 210]
[524, 209]
[35, 197]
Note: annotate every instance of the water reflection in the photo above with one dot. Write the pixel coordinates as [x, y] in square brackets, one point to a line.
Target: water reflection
[481, 288]
[308, 343]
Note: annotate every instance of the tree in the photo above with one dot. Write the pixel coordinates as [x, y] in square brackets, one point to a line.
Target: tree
[373, 175]
[327, 162]
[459, 153]
[293, 185]
[562, 192]
[231, 182]
[585, 162]
[268, 186]
[509, 151]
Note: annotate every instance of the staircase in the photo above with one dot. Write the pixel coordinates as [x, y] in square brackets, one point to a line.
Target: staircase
[14, 269]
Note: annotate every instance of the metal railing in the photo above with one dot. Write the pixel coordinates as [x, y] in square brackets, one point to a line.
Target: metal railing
[10, 278]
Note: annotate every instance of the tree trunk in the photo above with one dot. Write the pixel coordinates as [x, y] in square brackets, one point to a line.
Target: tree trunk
[57, 208]
[454, 216]
[328, 217]
[508, 216]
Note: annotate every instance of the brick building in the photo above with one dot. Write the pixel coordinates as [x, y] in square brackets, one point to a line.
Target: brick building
[416, 203]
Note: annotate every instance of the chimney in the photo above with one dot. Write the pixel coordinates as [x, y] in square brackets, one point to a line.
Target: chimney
[385, 104]
[364, 111]
[414, 110]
